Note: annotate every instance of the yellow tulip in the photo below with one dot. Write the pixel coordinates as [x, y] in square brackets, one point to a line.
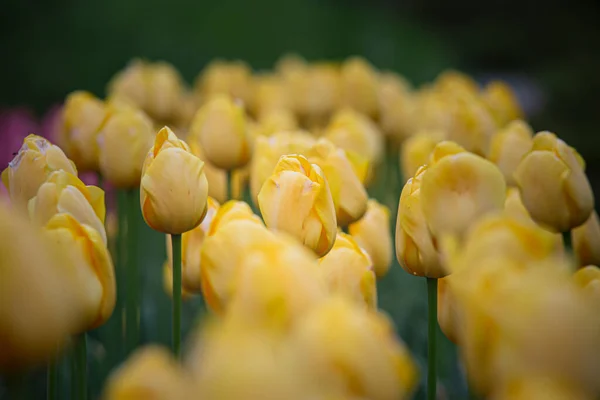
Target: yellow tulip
[357, 348]
[586, 241]
[150, 373]
[501, 99]
[66, 193]
[553, 184]
[532, 388]
[216, 177]
[220, 127]
[469, 185]
[588, 278]
[268, 150]
[447, 314]
[89, 264]
[231, 211]
[396, 106]
[83, 117]
[173, 189]
[372, 233]
[359, 86]
[456, 82]
[276, 121]
[130, 84]
[416, 249]
[270, 95]
[508, 147]
[347, 270]
[415, 151]
[301, 186]
[355, 132]
[230, 78]
[36, 159]
[38, 311]
[348, 193]
[123, 143]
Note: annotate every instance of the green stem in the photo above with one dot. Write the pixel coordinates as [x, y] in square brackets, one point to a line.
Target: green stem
[52, 380]
[176, 247]
[79, 368]
[229, 183]
[132, 273]
[16, 387]
[431, 340]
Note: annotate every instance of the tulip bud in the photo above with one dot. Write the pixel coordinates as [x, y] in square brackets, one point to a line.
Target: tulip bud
[456, 82]
[216, 177]
[150, 373]
[396, 105]
[173, 189]
[65, 193]
[220, 127]
[553, 184]
[448, 315]
[271, 95]
[467, 184]
[359, 86]
[231, 211]
[372, 233]
[90, 265]
[501, 100]
[509, 146]
[301, 186]
[348, 271]
[232, 79]
[415, 247]
[363, 354]
[588, 279]
[415, 151]
[348, 193]
[123, 143]
[38, 311]
[275, 121]
[586, 241]
[83, 118]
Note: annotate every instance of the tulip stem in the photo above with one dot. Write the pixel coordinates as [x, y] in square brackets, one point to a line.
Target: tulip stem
[176, 243]
[229, 183]
[431, 339]
[79, 368]
[132, 299]
[51, 380]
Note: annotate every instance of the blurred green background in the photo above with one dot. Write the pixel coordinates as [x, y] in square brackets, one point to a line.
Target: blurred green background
[549, 51]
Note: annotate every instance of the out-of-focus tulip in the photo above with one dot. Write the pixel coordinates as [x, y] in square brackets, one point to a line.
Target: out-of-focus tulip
[508, 147]
[447, 314]
[220, 127]
[83, 117]
[553, 184]
[415, 151]
[15, 125]
[37, 313]
[415, 247]
[168, 282]
[588, 278]
[372, 233]
[230, 78]
[456, 82]
[500, 98]
[359, 86]
[586, 241]
[174, 189]
[349, 194]
[347, 270]
[465, 183]
[231, 211]
[123, 143]
[150, 373]
[298, 185]
[396, 105]
[355, 132]
[358, 348]
[268, 150]
[534, 388]
[36, 159]
[216, 177]
[89, 264]
[270, 95]
[65, 193]
[276, 121]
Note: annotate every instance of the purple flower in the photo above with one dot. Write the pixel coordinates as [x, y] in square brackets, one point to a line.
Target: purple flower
[15, 125]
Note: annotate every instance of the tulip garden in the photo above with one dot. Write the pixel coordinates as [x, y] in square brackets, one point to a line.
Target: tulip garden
[317, 231]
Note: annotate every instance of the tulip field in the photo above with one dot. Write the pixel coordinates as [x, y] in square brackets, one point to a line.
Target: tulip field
[318, 231]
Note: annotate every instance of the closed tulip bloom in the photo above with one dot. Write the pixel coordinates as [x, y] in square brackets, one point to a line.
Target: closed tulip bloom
[501, 99]
[90, 265]
[216, 177]
[359, 86]
[553, 184]
[173, 190]
[588, 278]
[348, 193]
[233, 210]
[447, 315]
[66, 193]
[347, 270]
[123, 143]
[416, 249]
[301, 186]
[270, 95]
[220, 127]
[456, 82]
[268, 150]
[509, 146]
[542, 388]
[36, 159]
[275, 121]
[415, 151]
[83, 117]
[38, 311]
[150, 373]
[358, 348]
[465, 183]
[586, 241]
[230, 78]
[396, 106]
[372, 233]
